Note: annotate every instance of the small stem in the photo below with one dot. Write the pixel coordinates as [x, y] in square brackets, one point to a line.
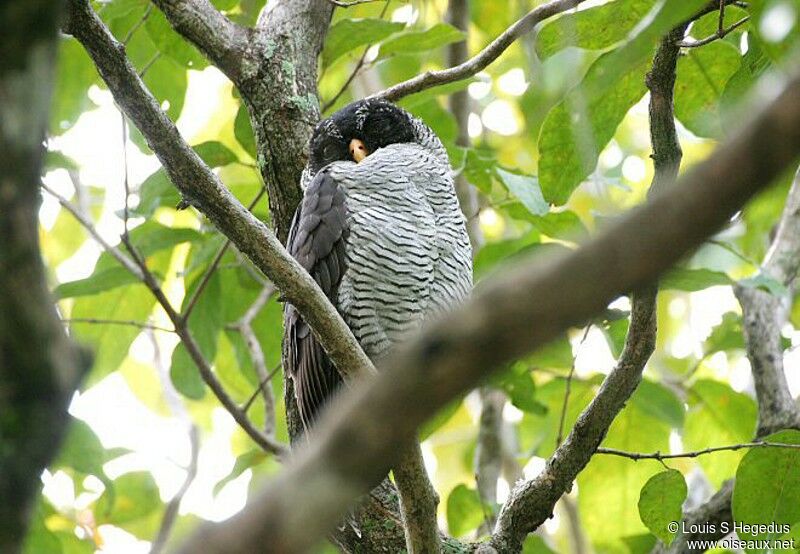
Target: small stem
[694, 453]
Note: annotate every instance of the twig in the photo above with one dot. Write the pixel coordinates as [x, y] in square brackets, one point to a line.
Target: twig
[171, 510]
[149, 64]
[139, 324]
[249, 402]
[563, 417]
[694, 453]
[257, 356]
[87, 224]
[182, 330]
[351, 3]
[213, 266]
[126, 212]
[483, 58]
[136, 26]
[721, 33]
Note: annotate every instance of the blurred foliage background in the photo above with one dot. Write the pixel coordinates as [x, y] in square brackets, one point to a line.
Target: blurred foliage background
[559, 147]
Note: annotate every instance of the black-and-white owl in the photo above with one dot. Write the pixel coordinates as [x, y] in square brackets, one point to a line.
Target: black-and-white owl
[380, 230]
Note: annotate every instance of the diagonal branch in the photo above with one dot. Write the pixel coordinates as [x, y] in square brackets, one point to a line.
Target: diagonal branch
[221, 40]
[195, 180]
[513, 313]
[481, 60]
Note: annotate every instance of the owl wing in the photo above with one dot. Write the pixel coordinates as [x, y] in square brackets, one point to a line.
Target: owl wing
[317, 241]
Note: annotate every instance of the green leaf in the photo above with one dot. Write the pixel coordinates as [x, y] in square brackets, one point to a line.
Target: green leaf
[243, 131]
[526, 188]
[411, 42]
[184, 374]
[661, 501]
[728, 335]
[498, 253]
[594, 28]
[692, 280]
[134, 496]
[609, 486]
[441, 417]
[243, 462]
[776, 45]
[156, 191]
[659, 402]
[752, 65]
[348, 34]
[565, 225]
[75, 73]
[82, 450]
[709, 23]
[766, 283]
[534, 544]
[149, 238]
[464, 510]
[110, 343]
[556, 354]
[517, 382]
[171, 43]
[167, 80]
[767, 488]
[572, 137]
[701, 77]
[215, 154]
[718, 415]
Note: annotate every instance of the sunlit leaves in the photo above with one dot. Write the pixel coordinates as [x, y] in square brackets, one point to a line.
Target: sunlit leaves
[421, 41]
[348, 34]
[185, 375]
[609, 486]
[661, 501]
[82, 450]
[74, 75]
[577, 129]
[594, 28]
[171, 43]
[691, 280]
[767, 487]
[464, 510]
[243, 131]
[526, 188]
[718, 416]
[134, 496]
[701, 77]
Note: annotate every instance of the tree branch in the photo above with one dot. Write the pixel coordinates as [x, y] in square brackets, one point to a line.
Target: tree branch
[517, 311]
[418, 502]
[764, 315]
[483, 58]
[222, 41]
[196, 181]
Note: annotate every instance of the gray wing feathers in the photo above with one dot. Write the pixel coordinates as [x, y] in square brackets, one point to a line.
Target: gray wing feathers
[317, 241]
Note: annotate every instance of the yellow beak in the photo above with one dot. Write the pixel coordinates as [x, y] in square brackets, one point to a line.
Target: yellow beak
[357, 150]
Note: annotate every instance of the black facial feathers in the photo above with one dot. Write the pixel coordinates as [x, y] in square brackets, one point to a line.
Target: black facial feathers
[377, 123]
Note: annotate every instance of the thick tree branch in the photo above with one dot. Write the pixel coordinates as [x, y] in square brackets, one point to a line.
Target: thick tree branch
[40, 367]
[764, 315]
[481, 60]
[418, 502]
[529, 304]
[222, 41]
[197, 182]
